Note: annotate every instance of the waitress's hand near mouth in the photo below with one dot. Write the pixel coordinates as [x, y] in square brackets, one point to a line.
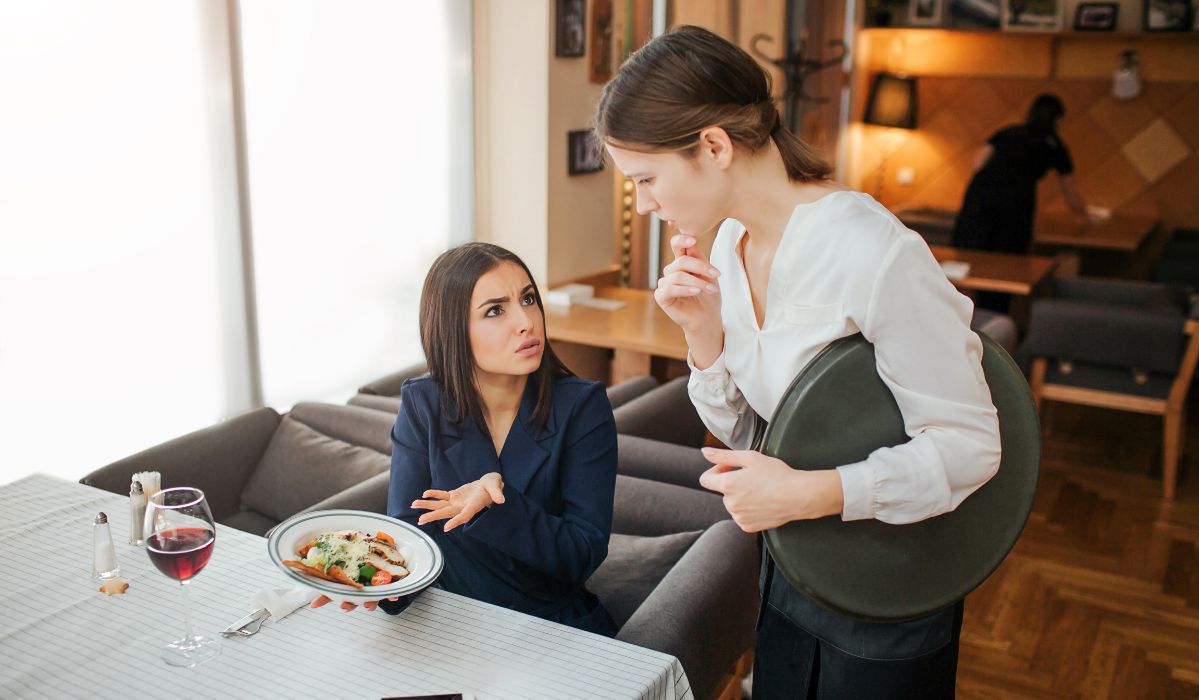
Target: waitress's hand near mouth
[689, 293]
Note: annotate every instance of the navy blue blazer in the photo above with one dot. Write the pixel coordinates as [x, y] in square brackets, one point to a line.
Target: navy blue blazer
[534, 552]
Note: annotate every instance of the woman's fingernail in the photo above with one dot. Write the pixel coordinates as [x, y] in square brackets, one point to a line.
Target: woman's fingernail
[714, 272]
[711, 288]
[693, 290]
[705, 450]
[688, 241]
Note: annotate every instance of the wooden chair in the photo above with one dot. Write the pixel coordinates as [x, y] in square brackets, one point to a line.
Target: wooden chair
[1121, 345]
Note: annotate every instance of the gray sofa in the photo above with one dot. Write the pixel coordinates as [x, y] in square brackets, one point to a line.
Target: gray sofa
[260, 468]
[680, 576]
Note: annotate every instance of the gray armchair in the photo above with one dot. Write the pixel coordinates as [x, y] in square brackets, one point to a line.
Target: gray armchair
[1116, 344]
[260, 468]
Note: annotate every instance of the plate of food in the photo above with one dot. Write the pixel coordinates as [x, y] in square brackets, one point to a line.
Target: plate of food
[355, 556]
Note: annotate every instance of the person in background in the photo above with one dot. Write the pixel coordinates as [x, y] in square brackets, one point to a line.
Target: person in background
[1000, 204]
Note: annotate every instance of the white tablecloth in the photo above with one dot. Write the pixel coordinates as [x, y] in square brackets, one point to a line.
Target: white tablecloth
[60, 637]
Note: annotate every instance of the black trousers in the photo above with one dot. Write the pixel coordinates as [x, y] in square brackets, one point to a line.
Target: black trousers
[792, 664]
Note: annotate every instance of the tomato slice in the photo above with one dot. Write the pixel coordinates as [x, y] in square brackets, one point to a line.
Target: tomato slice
[381, 578]
[385, 537]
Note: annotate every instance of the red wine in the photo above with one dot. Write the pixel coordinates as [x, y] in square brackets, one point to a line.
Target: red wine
[181, 553]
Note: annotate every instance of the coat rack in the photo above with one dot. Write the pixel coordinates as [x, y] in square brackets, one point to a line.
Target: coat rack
[796, 70]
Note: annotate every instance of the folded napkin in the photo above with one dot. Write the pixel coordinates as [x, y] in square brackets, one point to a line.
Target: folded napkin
[283, 600]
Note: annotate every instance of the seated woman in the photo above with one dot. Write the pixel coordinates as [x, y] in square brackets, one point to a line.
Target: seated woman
[503, 456]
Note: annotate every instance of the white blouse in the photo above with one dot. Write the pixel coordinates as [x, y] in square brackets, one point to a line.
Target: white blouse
[846, 265]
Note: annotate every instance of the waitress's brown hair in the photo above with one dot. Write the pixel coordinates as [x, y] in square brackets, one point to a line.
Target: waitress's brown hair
[445, 333]
[687, 80]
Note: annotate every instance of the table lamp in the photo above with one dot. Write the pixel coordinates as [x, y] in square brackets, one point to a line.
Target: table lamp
[891, 103]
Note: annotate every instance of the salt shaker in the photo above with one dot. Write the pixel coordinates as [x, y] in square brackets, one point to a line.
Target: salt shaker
[104, 557]
[137, 513]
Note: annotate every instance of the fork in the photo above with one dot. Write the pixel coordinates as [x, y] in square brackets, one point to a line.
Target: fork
[249, 628]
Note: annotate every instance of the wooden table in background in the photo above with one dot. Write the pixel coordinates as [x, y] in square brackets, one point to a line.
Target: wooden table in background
[640, 330]
[635, 332]
[1123, 232]
[998, 272]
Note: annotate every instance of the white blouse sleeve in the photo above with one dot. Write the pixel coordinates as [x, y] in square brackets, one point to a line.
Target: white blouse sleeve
[931, 360]
[720, 404]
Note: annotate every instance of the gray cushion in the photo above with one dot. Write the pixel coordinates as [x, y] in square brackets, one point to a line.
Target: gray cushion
[660, 461]
[250, 521]
[302, 466]
[999, 327]
[650, 508]
[665, 413]
[388, 404]
[353, 424]
[633, 569]
[390, 384]
[629, 389]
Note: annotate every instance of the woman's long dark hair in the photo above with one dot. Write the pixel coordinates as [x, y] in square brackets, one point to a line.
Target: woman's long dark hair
[445, 332]
[1044, 113]
[687, 80]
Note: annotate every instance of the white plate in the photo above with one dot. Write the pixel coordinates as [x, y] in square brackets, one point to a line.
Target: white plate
[424, 560]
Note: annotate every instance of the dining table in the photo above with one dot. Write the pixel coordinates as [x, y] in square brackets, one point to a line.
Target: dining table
[61, 637]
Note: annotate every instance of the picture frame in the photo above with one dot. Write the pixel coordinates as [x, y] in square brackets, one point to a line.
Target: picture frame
[582, 156]
[975, 15]
[925, 13]
[1032, 15]
[1166, 15]
[1096, 16]
[570, 24]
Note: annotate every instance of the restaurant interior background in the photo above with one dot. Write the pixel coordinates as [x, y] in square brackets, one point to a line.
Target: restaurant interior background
[213, 205]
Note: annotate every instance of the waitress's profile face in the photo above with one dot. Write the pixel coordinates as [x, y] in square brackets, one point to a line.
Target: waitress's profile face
[687, 193]
[507, 330]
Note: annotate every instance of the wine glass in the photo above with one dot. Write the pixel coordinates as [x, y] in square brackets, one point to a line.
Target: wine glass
[180, 535]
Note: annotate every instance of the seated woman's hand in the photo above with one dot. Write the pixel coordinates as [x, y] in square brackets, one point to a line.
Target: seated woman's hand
[463, 503]
[323, 600]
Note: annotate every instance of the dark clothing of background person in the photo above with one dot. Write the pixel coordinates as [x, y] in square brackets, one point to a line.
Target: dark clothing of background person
[1001, 201]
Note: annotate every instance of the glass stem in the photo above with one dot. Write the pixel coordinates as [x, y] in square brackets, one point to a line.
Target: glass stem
[187, 613]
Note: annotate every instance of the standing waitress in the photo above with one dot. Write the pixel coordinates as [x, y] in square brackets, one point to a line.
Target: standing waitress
[797, 263]
[1001, 201]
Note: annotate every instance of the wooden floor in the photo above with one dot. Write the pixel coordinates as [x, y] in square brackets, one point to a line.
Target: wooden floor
[1100, 597]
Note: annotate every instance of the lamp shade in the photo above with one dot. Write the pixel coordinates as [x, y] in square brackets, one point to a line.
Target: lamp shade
[892, 101]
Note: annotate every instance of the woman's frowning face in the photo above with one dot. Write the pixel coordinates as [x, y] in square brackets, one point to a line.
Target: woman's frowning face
[507, 327]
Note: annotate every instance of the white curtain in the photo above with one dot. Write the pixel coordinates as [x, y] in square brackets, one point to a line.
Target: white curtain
[123, 315]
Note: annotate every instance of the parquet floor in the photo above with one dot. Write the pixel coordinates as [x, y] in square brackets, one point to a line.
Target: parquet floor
[1100, 597]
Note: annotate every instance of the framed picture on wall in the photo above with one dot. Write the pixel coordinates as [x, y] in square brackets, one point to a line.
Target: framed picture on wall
[582, 154]
[974, 14]
[1167, 15]
[1032, 15]
[925, 13]
[570, 21]
[1096, 16]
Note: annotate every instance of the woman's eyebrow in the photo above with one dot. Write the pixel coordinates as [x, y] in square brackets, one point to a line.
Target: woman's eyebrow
[504, 300]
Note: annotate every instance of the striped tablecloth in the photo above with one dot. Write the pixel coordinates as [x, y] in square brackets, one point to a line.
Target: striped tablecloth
[60, 637]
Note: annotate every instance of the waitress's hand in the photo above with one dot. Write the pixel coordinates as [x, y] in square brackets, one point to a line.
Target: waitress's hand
[463, 503]
[687, 290]
[762, 492]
